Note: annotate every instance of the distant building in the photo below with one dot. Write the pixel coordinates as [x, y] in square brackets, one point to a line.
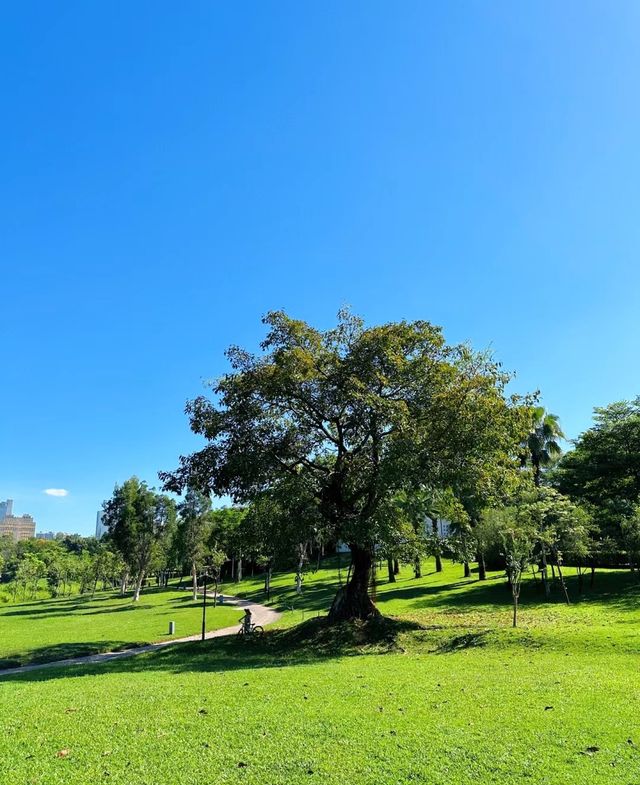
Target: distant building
[443, 530]
[45, 535]
[6, 508]
[443, 526]
[21, 527]
[101, 529]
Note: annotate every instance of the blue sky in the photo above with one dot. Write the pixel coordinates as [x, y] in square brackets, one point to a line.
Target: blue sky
[171, 172]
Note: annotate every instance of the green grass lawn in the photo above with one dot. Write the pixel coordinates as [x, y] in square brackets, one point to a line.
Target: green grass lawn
[453, 696]
[48, 630]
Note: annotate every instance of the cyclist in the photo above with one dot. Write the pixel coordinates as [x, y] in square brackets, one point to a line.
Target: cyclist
[246, 621]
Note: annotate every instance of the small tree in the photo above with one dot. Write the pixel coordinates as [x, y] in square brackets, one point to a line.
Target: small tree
[561, 526]
[518, 543]
[30, 570]
[516, 536]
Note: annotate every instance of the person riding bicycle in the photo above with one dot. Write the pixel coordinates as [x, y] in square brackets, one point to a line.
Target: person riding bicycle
[246, 621]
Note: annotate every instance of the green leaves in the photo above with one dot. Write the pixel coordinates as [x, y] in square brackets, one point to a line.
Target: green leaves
[345, 420]
[603, 468]
[136, 517]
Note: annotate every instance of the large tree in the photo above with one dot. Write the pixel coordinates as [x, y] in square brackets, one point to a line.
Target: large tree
[356, 414]
[604, 466]
[136, 517]
[194, 524]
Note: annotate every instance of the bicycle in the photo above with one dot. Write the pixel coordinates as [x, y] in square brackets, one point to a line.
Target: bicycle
[254, 631]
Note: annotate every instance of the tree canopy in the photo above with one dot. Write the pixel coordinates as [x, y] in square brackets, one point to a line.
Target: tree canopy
[353, 415]
[603, 469]
[136, 518]
[542, 446]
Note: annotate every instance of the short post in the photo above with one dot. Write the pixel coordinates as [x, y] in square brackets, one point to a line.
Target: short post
[172, 627]
[204, 608]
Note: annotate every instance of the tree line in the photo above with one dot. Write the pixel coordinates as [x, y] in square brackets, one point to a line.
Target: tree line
[72, 563]
[367, 436]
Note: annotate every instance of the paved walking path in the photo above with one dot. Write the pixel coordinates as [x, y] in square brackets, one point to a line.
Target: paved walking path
[260, 615]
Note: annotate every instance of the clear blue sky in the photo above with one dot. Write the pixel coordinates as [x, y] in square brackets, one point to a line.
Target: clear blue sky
[172, 171]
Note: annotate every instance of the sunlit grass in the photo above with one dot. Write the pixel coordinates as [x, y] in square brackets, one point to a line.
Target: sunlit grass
[458, 698]
[47, 630]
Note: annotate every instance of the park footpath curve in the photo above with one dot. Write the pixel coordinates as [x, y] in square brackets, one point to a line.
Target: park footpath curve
[260, 615]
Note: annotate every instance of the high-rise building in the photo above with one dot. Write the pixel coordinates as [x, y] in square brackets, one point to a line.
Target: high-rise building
[6, 508]
[101, 529]
[21, 527]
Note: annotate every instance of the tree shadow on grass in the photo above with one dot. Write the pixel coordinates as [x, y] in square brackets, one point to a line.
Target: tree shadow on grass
[64, 651]
[617, 588]
[314, 639]
[470, 640]
[314, 598]
[475, 595]
[54, 613]
[311, 641]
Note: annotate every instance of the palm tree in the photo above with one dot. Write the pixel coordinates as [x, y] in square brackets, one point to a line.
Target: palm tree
[542, 446]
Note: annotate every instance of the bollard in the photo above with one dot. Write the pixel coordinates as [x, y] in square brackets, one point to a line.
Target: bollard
[172, 627]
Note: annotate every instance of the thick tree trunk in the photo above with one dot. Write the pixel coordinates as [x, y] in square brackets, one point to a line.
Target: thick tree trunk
[467, 570]
[353, 601]
[434, 529]
[417, 568]
[239, 569]
[392, 575]
[396, 567]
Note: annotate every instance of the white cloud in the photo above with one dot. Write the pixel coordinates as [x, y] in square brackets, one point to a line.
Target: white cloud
[56, 492]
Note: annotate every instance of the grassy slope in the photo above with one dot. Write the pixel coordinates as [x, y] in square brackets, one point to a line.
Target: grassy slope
[461, 699]
[55, 629]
